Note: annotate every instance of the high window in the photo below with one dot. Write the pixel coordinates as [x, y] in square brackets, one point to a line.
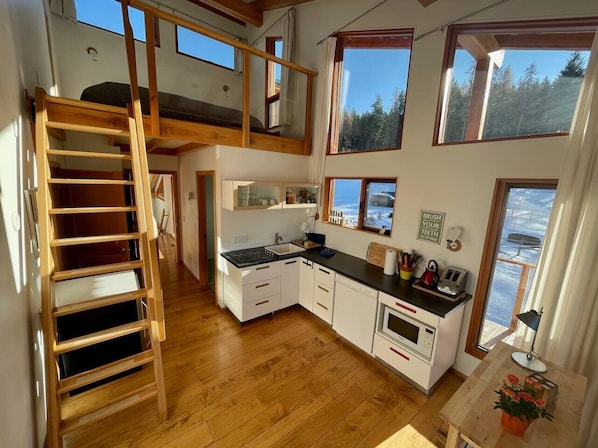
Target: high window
[514, 238]
[107, 15]
[369, 94]
[366, 204]
[204, 48]
[512, 80]
[273, 74]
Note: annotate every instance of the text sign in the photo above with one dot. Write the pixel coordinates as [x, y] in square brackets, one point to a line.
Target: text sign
[430, 226]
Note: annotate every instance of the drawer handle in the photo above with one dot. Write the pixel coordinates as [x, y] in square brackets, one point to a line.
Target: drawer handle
[261, 303]
[263, 267]
[399, 353]
[291, 262]
[323, 289]
[325, 307]
[405, 307]
[324, 271]
[262, 285]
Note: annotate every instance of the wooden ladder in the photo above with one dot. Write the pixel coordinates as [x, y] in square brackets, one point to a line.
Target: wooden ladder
[141, 375]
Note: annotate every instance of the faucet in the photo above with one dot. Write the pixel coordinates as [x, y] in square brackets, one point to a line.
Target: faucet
[277, 238]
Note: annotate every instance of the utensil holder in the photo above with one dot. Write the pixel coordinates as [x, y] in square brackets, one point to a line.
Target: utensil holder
[405, 272]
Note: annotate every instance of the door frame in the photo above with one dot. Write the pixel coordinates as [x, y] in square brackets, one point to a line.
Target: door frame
[202, 218]
[176, 216]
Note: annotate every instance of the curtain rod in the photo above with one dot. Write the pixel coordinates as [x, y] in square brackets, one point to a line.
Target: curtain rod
[271, 26]
[352, 21]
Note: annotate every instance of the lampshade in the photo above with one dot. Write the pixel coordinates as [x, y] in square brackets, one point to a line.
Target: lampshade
[530, 318]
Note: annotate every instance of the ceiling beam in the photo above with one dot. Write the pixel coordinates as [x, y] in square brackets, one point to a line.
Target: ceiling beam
[188, 147]
[479, 46]
[425, 3]
[154, 144]
[247, 12]
[268, 5]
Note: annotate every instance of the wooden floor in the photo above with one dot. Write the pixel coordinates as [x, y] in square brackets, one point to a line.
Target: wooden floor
[285, 380]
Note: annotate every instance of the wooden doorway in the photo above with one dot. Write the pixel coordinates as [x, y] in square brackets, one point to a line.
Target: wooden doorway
[175, 213]
[206, 221]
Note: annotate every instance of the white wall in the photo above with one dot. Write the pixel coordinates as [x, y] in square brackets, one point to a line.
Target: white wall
[166, 204]
[24, 59]
[457, 179]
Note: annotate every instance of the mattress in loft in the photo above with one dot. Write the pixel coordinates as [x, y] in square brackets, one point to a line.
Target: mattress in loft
[171, 106]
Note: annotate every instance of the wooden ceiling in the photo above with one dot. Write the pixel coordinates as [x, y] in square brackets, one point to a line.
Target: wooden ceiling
[252, 11]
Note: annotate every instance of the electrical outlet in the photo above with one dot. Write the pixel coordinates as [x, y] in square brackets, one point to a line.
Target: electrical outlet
[240, 238]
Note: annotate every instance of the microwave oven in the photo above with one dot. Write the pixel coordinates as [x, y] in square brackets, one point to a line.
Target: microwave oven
[408, 332]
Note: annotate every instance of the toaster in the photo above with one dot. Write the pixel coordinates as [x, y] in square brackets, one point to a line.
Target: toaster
[452, 281]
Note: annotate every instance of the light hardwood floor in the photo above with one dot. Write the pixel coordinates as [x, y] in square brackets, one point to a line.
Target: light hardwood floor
[285, 380]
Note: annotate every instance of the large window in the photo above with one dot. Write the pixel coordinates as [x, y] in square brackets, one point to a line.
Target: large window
[370, 90]
[273, 75]
[107, 15]
[512, 80]
[516, 229]
[205, 48]
[366, 204]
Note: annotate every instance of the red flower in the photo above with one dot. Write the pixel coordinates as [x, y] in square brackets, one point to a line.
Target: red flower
[538, 402]
[510, 394]
[526, 396]
[512, 378]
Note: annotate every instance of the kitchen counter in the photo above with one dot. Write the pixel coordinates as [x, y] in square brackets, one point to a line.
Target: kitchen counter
[371, 275]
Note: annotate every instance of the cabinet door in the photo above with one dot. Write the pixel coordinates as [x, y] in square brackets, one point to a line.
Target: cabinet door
[306, 284]
[289, 282]
[250, 195]
[300, 195]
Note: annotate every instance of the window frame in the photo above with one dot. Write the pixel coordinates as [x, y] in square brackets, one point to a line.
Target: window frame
[391, 38]
[270, 77]
[176, 37]
[365, 181]
[534, 27]
[492, 240]
[156, 27]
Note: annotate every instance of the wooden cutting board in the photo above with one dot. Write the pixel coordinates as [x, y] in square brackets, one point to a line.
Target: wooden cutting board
[377, 253]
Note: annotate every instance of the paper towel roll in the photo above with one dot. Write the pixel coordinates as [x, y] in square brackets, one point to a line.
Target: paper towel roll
[390, 262]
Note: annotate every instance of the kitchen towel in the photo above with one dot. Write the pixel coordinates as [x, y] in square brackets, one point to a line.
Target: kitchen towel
[390, 262]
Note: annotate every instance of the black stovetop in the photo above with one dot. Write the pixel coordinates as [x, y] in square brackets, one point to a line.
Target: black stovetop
[247, 257]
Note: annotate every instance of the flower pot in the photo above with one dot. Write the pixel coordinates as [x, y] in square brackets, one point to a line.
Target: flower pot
[514, 425]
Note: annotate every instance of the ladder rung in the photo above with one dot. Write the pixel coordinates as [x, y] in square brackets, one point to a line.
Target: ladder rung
[99, 302]
[60, 242]
[105, 371]
[123, 402]
[61, 180]
[75, 210]
[100, 336]
[93, 270]
[95, 155]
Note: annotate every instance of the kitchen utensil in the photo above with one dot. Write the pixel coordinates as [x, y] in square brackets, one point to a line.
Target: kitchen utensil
[430, 277]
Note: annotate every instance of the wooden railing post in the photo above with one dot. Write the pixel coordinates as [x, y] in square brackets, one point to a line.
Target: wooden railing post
[150, 49]
[246, 98]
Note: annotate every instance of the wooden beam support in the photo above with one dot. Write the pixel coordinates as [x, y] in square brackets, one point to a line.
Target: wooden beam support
[479, 99]
[154, 143]
[247, 12]
[150, 48]
[246, 98]
[188, 148]
[479, 45]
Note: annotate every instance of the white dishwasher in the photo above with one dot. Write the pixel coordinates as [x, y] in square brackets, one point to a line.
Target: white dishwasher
[354, 315]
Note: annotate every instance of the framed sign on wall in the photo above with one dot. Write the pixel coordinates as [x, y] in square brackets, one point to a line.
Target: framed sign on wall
[430, 226]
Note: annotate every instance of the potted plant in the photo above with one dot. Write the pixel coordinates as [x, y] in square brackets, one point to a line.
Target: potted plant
[520, 404]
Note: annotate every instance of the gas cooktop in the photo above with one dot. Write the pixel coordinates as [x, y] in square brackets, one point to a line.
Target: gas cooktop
[247, 257]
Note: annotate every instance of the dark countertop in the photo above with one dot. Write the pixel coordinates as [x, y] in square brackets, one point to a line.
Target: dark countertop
[371, 275]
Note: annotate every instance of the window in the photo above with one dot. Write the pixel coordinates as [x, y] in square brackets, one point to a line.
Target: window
[107, 15]
[512, 80]
[370, 90]
[273, 74]
[205, 48]
[516, 229]
[366, 204]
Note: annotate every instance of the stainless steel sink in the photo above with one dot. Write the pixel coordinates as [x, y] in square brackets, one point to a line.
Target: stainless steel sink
[284, 249]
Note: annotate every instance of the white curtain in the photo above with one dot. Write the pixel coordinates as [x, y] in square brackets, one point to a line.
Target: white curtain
[288, 77]
[566, 281]
[322, 107]
[64, 8]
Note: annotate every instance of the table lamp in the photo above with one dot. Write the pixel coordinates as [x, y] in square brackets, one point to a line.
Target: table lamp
[530, 318]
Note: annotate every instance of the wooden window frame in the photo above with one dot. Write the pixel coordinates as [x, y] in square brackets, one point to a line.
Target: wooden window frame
[492, 240]
[176, 37]
[541, 34]
[393, 38]
[270, 73]
[329, 193]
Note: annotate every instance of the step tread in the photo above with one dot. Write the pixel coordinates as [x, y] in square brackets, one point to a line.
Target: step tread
[112, 407]
[105, 371]
[75, 241]
[100, 336]
[94, 270]
[71, 181]
[99, 302]
[98, 155]
[100, 209]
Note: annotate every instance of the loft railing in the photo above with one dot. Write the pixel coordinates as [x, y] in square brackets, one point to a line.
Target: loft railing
[248, 138]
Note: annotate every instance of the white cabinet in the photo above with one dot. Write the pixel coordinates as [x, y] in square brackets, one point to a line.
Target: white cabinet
[306, 284]
[289, 282]
[251, 195]
[323, 305]
[299, 195]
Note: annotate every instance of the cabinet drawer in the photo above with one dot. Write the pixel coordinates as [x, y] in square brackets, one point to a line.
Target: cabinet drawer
[323, 302]
[262, 289]
[410, 310]
[260, 307]
[261, 272]
[402, 360]
[324, 276]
